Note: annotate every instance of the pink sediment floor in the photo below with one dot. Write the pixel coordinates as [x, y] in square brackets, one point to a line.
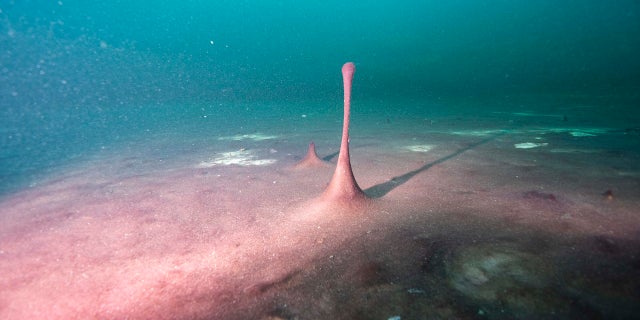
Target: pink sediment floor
[117, 237]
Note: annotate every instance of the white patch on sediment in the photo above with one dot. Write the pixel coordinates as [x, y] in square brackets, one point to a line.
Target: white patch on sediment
[529, 114]
[478, 133]
[530, 145]
[575, 150]
[239, 158]
[419, 148]
[252, 136]
[581, 134]
[634, 174]
[576, 132]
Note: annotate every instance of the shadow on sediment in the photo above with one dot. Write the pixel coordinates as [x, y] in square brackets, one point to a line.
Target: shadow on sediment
[330, 157]
[451, 265]
[380, 190]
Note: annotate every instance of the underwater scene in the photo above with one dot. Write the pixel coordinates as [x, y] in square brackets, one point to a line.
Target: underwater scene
[277, 159]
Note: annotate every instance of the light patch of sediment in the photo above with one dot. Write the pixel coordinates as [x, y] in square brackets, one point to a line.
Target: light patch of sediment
[250, 136]
[240, 158]
[477, 133]
[575, 132]
[419, 148]
[530, 145]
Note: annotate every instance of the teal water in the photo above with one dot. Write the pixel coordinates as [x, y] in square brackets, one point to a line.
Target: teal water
[78, 75]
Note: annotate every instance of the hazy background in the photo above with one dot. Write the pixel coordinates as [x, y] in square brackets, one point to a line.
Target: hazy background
[77, 74]
[285, 49]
